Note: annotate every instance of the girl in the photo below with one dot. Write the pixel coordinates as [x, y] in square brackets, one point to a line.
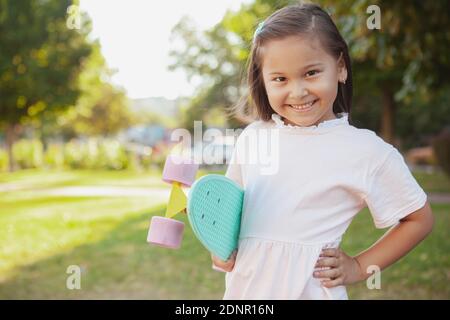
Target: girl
[300, 82]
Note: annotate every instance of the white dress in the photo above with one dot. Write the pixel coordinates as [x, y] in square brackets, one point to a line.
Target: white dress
[303, 186]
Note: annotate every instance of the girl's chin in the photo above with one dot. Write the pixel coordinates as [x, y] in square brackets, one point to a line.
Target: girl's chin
[298, 123]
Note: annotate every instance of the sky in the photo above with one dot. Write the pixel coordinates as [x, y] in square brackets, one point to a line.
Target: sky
[134, 36]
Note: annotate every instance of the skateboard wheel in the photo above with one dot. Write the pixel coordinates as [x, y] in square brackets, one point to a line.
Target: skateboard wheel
[165, 232]
[178, 169]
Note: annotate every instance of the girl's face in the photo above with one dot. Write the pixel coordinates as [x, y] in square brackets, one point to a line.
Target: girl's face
[301, 79]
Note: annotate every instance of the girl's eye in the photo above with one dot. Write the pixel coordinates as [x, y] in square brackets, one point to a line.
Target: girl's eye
[312, 73]
[276, 79]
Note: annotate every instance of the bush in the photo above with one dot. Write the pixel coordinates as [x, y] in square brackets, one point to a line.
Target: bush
[95, 154]
[28, 153]
[54, 156]
[112, 155]
[75, 155]
[3, 160]
[441, 148]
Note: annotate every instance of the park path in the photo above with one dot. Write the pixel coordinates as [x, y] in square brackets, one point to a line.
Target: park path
[107, 191]
[90, 191]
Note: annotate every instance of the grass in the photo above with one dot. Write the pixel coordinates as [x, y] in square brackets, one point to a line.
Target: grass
[33, 178]
[41, 236]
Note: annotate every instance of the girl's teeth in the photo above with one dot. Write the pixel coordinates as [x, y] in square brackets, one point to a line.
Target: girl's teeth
[302, 106]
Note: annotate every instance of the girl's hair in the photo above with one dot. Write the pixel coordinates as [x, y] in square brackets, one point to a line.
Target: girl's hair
[300, 19]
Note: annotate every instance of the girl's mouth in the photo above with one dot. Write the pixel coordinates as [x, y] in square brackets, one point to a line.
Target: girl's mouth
[303, 107]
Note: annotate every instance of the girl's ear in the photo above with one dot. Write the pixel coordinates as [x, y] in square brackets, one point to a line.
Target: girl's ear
[342, 69]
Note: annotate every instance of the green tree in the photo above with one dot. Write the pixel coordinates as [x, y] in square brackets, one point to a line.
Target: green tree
[40, 60]
[101, 109]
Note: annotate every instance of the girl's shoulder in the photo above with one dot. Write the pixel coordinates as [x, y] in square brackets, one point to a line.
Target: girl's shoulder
[368, 136]
[368, 142]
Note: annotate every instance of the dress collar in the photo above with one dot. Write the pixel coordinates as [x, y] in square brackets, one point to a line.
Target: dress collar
[342, 119]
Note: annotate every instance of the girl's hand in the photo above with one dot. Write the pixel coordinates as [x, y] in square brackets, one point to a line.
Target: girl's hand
[226, 266]
[343, 268]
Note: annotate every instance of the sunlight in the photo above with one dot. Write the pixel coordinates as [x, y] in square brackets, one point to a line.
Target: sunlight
[135, 40]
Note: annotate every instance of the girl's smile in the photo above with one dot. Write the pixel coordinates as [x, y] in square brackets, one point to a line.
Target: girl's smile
[304, 107]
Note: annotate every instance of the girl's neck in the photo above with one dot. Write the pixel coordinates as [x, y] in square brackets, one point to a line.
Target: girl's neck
[327, 117]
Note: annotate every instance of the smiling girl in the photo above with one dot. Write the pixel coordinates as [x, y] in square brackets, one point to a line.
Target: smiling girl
[300, 82]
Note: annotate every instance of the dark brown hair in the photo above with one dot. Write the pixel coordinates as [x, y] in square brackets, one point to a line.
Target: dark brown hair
[300, 19]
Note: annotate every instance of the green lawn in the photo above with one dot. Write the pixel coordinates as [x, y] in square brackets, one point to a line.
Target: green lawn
[41, 235]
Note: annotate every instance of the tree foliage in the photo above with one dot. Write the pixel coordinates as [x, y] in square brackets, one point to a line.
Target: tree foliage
[101, 109]
[40, 59]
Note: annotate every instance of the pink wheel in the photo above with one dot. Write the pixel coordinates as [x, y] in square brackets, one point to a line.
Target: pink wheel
[165, 232]
[178, 169]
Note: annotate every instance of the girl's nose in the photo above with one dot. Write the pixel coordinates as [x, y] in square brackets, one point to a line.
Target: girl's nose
[298, 92]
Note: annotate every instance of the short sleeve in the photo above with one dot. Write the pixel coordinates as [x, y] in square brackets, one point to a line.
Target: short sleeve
[393, 193]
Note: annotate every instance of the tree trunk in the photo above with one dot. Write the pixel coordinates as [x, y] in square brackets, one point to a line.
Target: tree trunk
[388, 117]
[10, 138]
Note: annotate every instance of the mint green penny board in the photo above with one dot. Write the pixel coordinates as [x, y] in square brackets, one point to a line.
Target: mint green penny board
[214, 210]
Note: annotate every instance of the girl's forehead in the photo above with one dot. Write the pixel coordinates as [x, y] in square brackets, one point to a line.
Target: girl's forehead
[292, 52]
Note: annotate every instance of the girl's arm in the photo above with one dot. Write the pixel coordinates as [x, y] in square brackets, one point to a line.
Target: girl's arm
[398, 241]
[393, 245]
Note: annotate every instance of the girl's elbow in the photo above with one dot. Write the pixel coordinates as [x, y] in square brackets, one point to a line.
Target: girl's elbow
[424, 219]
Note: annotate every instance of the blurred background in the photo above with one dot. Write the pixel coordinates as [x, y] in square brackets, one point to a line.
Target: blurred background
[90, 92]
